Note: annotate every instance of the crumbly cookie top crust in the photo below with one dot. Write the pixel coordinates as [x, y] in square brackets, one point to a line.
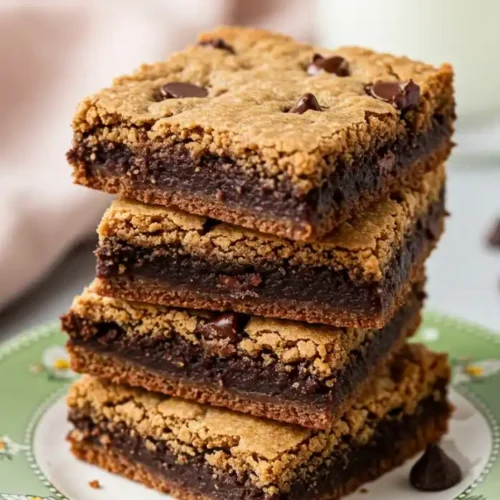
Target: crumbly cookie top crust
[250, 91]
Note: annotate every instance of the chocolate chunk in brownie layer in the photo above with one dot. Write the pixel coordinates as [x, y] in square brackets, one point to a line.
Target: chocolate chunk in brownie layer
[292, 372]
[227, 147]
[186, 448]
[358, 276]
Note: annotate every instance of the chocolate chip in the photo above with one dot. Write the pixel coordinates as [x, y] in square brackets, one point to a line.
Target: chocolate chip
[305, 103]
[336, 65]
[402, 95]
[494, 235]
[220, 333]
[435, 471]
[222, 327]
[217, 43]
[179, 90]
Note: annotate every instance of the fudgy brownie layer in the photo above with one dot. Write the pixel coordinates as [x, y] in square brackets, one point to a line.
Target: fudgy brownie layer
[395, 440]
[313, 294]
[172, 176]
[174, 366]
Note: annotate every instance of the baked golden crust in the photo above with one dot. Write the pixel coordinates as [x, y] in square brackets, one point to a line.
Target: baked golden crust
[248, 91]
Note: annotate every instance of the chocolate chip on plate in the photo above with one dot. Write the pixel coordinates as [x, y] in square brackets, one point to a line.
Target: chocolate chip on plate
[217, 43]
[222, 327]
[435, 471]
[336, 65]
[402, 95]
[178, 90]
[494, 235]
[305, 103]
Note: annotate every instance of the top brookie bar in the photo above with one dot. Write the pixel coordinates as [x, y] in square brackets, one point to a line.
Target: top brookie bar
[357, 276]
[252, 128]
[197, 452]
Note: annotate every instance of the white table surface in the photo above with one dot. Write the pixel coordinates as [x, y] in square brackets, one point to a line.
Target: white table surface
[464, 275]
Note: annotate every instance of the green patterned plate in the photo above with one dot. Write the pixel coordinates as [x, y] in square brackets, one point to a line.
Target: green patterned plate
[35, 462]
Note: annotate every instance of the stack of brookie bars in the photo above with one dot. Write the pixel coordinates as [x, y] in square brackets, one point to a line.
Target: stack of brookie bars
[262, 269]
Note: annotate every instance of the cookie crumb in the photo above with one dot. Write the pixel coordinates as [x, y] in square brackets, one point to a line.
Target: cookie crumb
[95, 484]
[363, 490]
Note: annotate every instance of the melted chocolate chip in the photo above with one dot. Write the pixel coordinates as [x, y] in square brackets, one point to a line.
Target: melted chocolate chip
[218, 43]
[222, 327]
[179, 90]
[435, 471]
[336, 65]
[402, 95]
[305, 103]
[494, 235]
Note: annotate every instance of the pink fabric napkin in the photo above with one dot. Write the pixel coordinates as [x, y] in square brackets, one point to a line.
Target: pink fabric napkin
[54, 53]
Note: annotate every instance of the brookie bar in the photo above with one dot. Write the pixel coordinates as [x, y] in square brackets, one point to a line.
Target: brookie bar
[358, 276]
[283, 370]
[197, 452]
[255, 129]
